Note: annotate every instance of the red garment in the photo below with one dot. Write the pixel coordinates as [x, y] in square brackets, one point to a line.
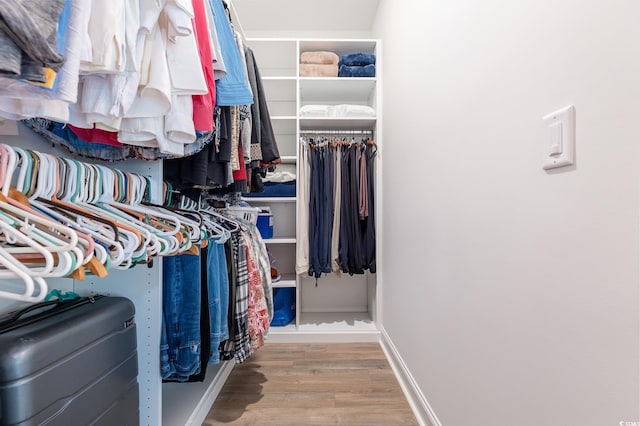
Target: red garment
[203, 104]
[240, 174]
[96, 135]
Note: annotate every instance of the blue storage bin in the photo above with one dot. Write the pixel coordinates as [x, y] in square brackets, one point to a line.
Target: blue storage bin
[284, 306]
[265, 224]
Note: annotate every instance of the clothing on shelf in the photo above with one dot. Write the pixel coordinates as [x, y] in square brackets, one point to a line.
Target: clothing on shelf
[357, 59]
[357, 71]
[342, 110]
[319, 57]
[318, 70]
[357, 64]
[318, 64]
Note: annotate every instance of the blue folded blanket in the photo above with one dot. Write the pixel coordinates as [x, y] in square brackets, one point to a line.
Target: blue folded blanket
[357, 71]
[275, 189]
[357, 59]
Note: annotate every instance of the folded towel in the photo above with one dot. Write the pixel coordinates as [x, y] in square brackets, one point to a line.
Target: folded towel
[357, 59]
[316, 111]
[279, 177]
[355, 71]
[343, 110]
[320, 57]
[348, 110]
[315, 70]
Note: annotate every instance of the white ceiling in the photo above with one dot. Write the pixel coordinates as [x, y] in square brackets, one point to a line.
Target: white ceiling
[287, 17]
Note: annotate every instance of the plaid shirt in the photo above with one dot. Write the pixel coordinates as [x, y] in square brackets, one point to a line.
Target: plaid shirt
[242, 340]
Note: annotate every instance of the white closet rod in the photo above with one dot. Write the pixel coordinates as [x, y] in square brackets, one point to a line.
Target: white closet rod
[337, 132]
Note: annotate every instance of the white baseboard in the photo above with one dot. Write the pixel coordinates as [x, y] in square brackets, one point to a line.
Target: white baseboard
[419, 404]
[323, 337]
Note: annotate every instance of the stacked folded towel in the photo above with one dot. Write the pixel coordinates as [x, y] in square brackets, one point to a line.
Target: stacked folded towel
[358, 64]
[319, 64]
[342, 110]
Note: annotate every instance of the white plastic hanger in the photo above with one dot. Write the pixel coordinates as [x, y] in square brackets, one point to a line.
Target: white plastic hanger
[50, 235]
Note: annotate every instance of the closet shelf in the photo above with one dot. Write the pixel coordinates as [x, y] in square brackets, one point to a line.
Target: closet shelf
[338, 45]
[280, 241]
[286, 92]
[269, 199]
[288, 159]
[189, 405]
[336, 321]
[337, 123]
[284, 329]
[288, 280]
[279, 78]
[335, 90]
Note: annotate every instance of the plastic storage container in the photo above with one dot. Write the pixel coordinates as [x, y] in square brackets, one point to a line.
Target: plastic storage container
[265, 223]
[284, 306]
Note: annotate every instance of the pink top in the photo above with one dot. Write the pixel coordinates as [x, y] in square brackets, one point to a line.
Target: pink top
[203, 104]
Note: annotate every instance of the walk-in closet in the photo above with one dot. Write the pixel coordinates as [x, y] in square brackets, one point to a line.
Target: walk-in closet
[386, 212]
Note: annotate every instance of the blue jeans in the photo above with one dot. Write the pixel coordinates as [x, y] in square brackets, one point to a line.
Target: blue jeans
[180, 339]
[60, 135]
[218, 298]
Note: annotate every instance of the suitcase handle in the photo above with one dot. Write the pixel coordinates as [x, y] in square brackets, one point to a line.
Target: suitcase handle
[13, 319]
[14, 316]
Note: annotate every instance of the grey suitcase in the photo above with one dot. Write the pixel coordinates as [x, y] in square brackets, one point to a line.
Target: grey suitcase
[70, 363]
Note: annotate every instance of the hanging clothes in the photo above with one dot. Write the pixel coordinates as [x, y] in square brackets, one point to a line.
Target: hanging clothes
[180, 338]
[20, 99]
[238, 310]
[232, 89]
[321, 207]
[242, 339]
[263, 141]
[302, 245]
[341, 204]
[145, 73]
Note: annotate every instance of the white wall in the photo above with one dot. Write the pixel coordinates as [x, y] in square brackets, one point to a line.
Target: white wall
[306, 19]
[512, 294]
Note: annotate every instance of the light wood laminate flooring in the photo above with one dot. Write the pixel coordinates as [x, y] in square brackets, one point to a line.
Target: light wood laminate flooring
[313, 384]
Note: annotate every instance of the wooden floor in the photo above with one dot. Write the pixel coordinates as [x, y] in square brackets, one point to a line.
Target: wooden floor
[313, 384]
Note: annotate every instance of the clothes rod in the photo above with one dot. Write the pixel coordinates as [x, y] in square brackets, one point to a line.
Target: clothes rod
[336, 132]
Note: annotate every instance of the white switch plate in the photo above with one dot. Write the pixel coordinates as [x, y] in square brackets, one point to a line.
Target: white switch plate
[560, 138]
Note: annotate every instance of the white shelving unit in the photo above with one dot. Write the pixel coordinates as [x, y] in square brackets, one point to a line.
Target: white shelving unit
[332, 308]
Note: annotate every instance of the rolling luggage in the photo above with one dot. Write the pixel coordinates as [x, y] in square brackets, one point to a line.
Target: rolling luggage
[70, 363]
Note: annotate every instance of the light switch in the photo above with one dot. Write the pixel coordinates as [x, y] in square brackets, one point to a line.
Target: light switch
[559, 144]
[555, 138]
